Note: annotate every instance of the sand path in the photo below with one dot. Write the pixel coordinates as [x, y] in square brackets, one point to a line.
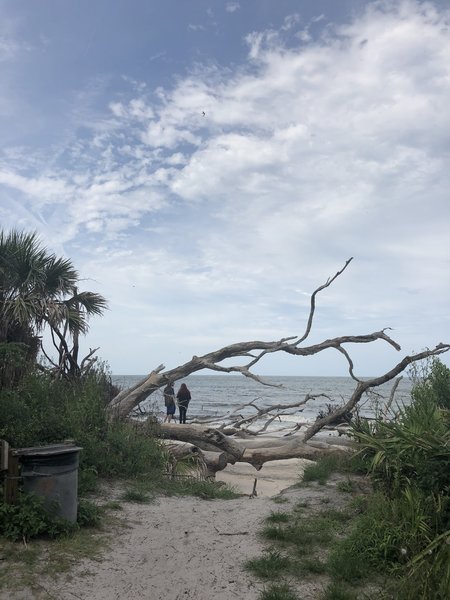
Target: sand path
[182, 548]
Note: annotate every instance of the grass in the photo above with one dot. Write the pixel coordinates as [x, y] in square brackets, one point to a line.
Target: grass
[136, 495]
[25, 566]
[280, 500]
[305, 531]
[302, 538]
[327, 466]
[346, 486]
[278, 518]
[270, 565]
[313, 566]
[339, 591]
[279, 592]
[207, 490]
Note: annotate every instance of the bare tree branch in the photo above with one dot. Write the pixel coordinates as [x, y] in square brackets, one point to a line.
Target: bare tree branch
[362, 386]
[328, 282]
[215, 439]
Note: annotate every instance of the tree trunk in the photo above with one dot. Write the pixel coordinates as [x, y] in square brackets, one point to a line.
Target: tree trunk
[211, 461]
[232, 451]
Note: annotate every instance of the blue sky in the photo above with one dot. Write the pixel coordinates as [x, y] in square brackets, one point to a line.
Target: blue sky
[207, 164]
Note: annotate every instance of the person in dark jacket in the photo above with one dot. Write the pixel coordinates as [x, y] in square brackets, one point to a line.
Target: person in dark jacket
[169, 401]
[183, 398]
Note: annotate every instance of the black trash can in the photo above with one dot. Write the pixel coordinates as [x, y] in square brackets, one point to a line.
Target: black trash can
[51, 472]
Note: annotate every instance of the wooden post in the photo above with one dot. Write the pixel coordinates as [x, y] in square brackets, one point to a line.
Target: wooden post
[12, 479]
[4, 449]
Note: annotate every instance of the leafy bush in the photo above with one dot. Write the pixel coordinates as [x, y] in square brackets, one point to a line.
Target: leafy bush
[42, 411]
[28, 518]
[405, 529]
[88, 514]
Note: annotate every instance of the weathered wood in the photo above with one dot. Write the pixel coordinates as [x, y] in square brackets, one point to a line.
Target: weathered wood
[214, 461]
[122, 405]
[258, 456]
[210, 439]
[211, 461]
[12, 479]
[179, 449]
[238, 451]
[206, 438]
[4, 451]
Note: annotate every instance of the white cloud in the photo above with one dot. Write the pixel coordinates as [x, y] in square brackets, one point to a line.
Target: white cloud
[232, 7]
[306, 154]
[196, 27]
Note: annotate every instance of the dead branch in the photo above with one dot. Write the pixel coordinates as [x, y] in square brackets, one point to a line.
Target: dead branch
[210, 439]
[363, 386]
[391, 398]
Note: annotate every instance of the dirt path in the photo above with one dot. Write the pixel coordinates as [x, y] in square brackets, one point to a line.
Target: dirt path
[182, 548]
[177, 549]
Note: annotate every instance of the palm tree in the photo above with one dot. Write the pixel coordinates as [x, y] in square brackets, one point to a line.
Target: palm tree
[38, 289]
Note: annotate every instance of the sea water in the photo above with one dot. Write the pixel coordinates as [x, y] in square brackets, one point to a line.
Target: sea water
[214, 396]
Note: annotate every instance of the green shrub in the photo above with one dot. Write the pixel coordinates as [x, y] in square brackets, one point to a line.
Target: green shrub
[434, 383]
[40, 410]
[405, 529]
[89, 514]
[28, 518]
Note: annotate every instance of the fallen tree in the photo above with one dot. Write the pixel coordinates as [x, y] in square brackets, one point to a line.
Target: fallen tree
[298, 446]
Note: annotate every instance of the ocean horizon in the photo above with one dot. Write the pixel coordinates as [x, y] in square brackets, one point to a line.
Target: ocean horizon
[215, 395]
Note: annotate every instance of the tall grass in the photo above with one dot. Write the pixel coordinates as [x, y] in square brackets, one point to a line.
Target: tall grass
[405, 530]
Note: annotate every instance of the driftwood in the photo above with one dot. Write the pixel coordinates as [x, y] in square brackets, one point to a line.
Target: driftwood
[210, 462]
[214, 439]
[238, 451]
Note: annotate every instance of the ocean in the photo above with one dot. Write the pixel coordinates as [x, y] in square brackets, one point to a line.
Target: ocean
[213, 396]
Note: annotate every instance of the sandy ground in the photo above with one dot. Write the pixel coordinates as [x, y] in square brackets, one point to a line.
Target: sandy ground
[272, 478]
[183, 548]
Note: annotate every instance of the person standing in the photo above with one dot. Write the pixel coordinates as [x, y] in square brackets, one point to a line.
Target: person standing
[183, 398]
[169, 401]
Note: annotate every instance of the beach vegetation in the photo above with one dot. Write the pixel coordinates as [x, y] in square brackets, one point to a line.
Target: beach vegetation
[280, 499]
[329, 411]
[405, 530]
[278, 517]
[136, 495]
[270, 565]
[200, 488]
[339, 591]
[346, 486]
[393, 539]
[326, 466]
[277, 591]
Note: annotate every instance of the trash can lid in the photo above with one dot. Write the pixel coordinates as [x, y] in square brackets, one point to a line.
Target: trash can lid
[49, 450]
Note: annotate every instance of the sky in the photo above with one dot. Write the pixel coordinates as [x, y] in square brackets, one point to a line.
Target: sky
[207, 164]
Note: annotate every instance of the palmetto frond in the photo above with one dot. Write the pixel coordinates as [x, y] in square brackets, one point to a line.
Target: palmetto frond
[37, 288]
[60, 277]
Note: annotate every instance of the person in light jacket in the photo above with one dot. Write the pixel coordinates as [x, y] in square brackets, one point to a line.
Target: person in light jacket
[183, 399]
[169, 401]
